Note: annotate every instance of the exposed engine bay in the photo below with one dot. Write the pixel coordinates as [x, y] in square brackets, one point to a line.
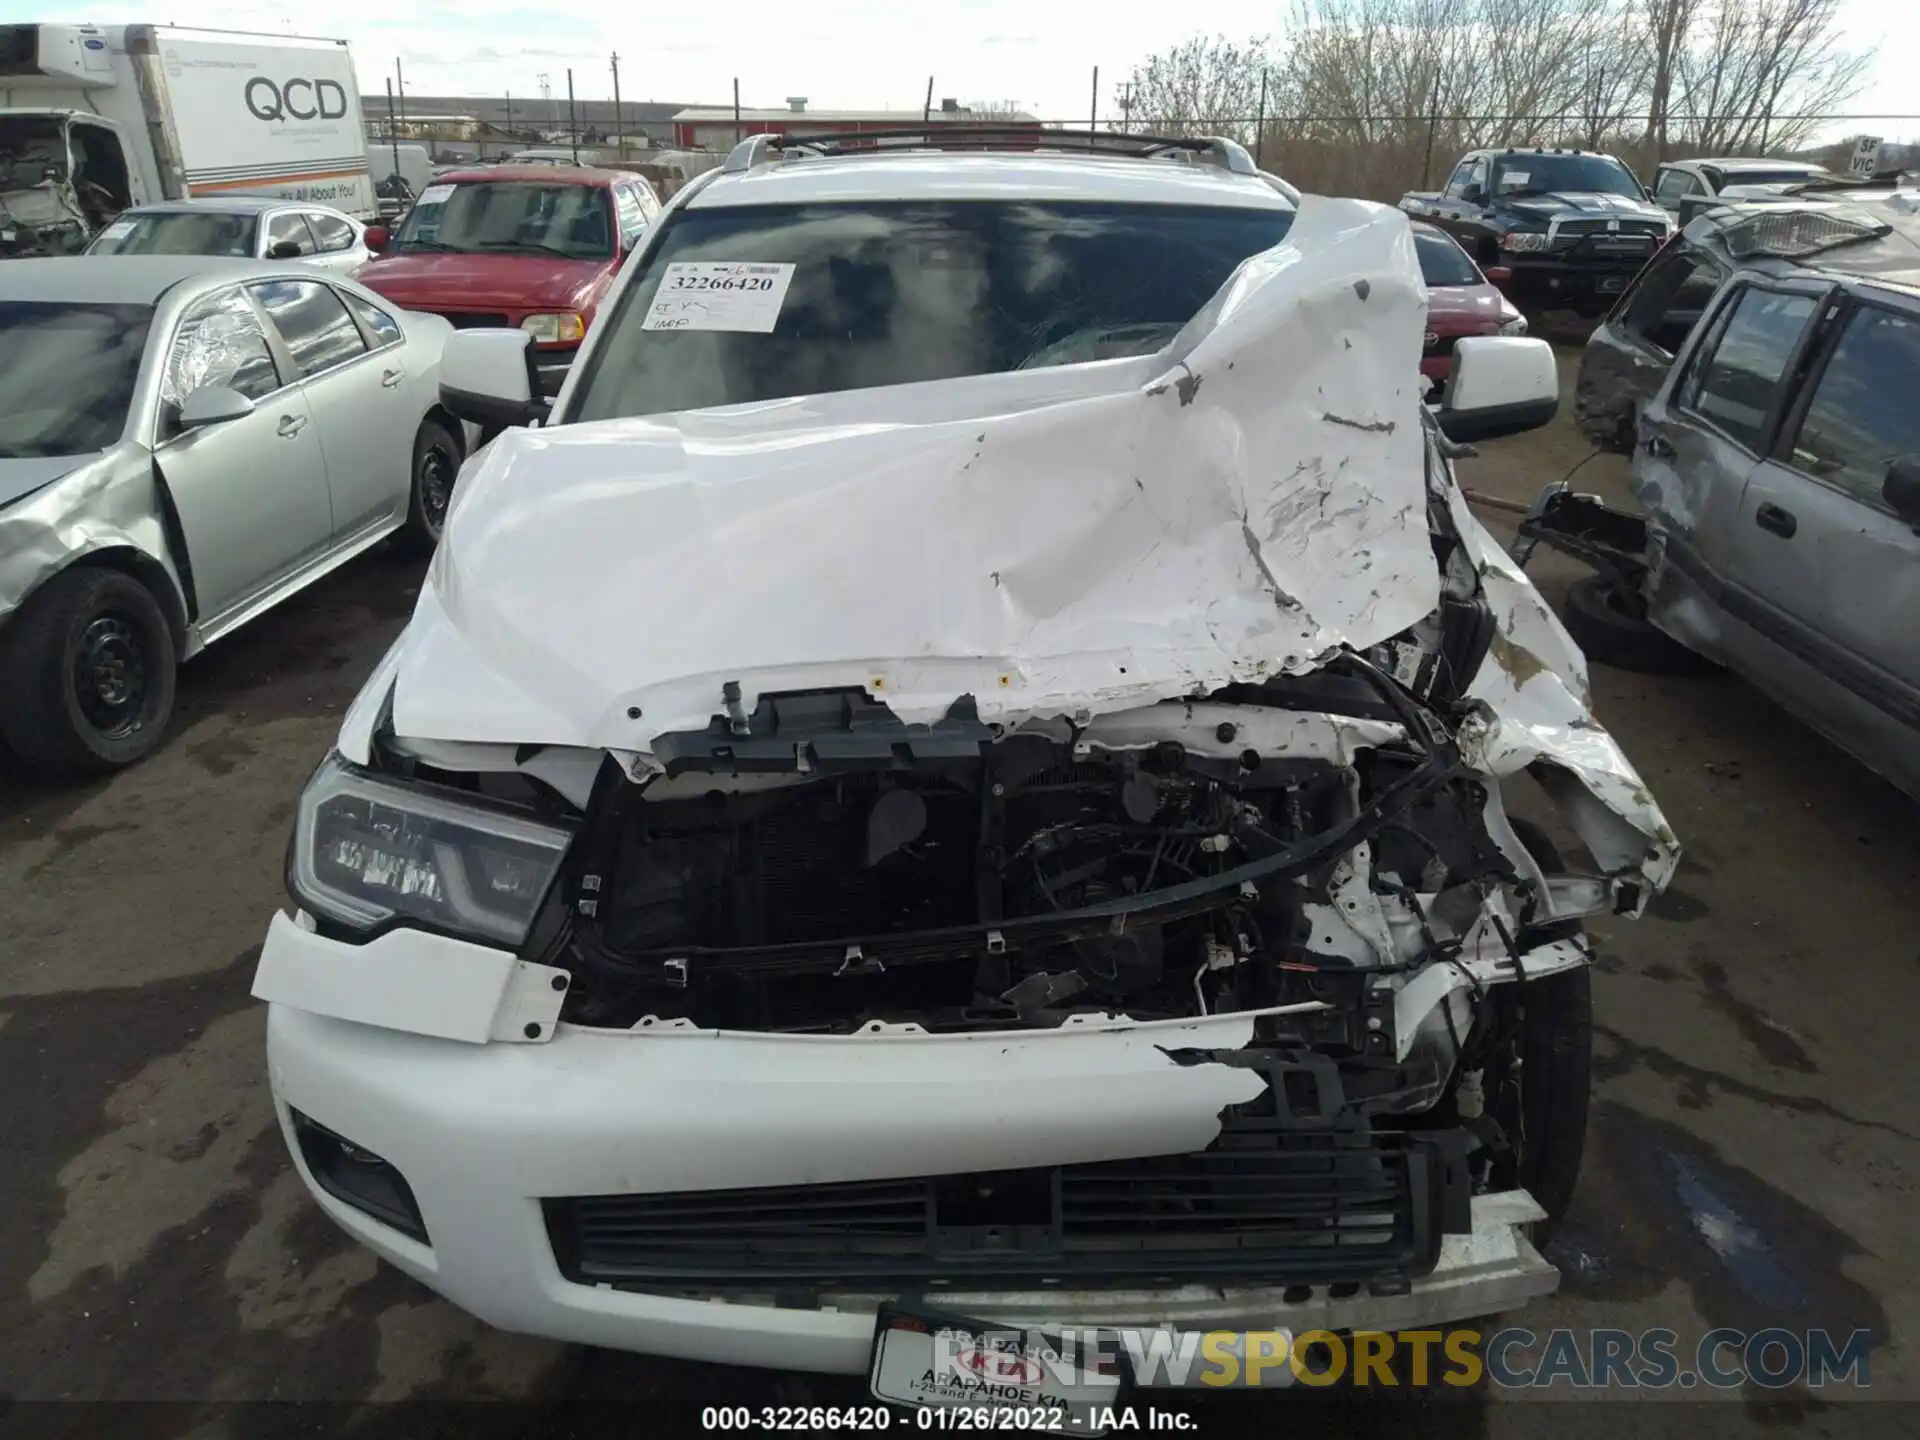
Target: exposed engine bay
[1024, 879]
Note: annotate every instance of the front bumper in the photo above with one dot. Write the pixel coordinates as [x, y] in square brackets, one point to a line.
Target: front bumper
[483, 1131]
[1553, 278]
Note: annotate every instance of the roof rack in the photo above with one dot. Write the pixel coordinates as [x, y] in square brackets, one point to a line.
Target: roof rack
[1217, 150]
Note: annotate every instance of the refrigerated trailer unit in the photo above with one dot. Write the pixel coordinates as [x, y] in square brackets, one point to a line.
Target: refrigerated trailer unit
[95, 118]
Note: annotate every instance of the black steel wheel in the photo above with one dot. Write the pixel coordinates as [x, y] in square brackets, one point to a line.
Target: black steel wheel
[88, 672]
[437, 455]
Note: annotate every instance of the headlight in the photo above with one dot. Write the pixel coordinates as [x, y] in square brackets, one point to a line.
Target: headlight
[1516, 326]
[1523, 240]
[563, 328]
[368, 850]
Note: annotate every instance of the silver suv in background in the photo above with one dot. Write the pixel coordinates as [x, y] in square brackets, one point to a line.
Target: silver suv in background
[1776, 455]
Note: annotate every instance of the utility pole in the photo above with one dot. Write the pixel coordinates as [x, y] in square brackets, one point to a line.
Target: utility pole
[926, 110]
[546, 95]
[400, 84]
[1094, 122]
[573, 125]
[483, 143]
[1126, 107]
[1260, 121]
[619, 125]
[736, 109]
[393, 129]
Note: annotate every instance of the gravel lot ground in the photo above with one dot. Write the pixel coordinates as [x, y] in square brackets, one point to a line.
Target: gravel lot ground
[1752, 1162]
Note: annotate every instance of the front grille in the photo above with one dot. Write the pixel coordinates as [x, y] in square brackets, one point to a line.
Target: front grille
[1299, 1209]
[1628, 229]
[473, 319]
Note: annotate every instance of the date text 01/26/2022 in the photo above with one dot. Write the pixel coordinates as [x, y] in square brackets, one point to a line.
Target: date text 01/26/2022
[1040, 1419]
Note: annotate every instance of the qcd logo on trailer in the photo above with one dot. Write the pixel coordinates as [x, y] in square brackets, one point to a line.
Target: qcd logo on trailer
[296, 99]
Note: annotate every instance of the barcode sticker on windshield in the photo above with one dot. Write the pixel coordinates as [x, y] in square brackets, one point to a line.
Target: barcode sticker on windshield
[719, 295]
[118, 230]
[434, 195]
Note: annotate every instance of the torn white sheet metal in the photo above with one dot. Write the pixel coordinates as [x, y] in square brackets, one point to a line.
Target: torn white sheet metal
[1535, 682]
[1083, 539]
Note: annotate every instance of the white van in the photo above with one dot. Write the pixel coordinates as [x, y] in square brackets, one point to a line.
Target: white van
[95, 118]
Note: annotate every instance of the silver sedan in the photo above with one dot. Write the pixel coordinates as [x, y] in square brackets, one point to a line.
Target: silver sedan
[184, 443]
[239, 227]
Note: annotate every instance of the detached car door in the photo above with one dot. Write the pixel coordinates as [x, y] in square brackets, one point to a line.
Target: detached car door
[1708, 429]
[251, 494]
[362, 406]
[1820, 563]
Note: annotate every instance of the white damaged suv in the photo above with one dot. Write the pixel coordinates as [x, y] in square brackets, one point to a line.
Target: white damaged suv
[959, 777]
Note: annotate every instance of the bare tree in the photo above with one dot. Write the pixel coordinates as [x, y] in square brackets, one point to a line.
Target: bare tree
[1201, 86]
[1363, 95]
[1757, 72]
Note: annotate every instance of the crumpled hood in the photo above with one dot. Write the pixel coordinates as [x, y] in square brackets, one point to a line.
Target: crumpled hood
[1050, 542]
[1582, 204]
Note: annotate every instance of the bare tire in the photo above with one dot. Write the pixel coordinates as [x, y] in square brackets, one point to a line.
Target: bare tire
[436, 461]
[86, 673]
[1541, 1101]
[1612, 629]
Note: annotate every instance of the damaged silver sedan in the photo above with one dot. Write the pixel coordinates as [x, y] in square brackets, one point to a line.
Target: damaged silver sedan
[1032, 840]
[184, 443]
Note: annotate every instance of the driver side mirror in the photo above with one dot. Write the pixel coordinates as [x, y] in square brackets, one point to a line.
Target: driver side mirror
[376, 238]
[213, 405]
[1474, 195]
[1500, 385]
[284, 250]
[488, 377]
[1499, 275]
[1902, 489]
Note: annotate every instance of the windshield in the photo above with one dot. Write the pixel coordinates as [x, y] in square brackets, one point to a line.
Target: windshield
[177, 232]
[1564, 175]
[66, 375]
[1443, 263]
[510, 217]
[889, 294]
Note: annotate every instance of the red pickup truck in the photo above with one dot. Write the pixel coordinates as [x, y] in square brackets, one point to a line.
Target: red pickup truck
[532, 247]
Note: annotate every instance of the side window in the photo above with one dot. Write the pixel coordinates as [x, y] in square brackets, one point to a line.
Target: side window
[220, 342]
[1462, 177]
[1671, 185]
[288, 228]
[330, 231]
[1862, 416]
[384, 329]
[1670, 299]
[318, 332]
[633, 220]
[1734, 385]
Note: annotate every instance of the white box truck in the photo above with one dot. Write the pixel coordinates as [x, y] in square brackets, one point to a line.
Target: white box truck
[94, 118]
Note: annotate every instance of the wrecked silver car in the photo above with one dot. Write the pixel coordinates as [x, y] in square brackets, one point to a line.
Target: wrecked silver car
[1776, 458]
[185, 442]
[1031, 841]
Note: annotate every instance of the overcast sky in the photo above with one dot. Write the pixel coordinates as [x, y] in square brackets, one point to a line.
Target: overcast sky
[839, 53]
